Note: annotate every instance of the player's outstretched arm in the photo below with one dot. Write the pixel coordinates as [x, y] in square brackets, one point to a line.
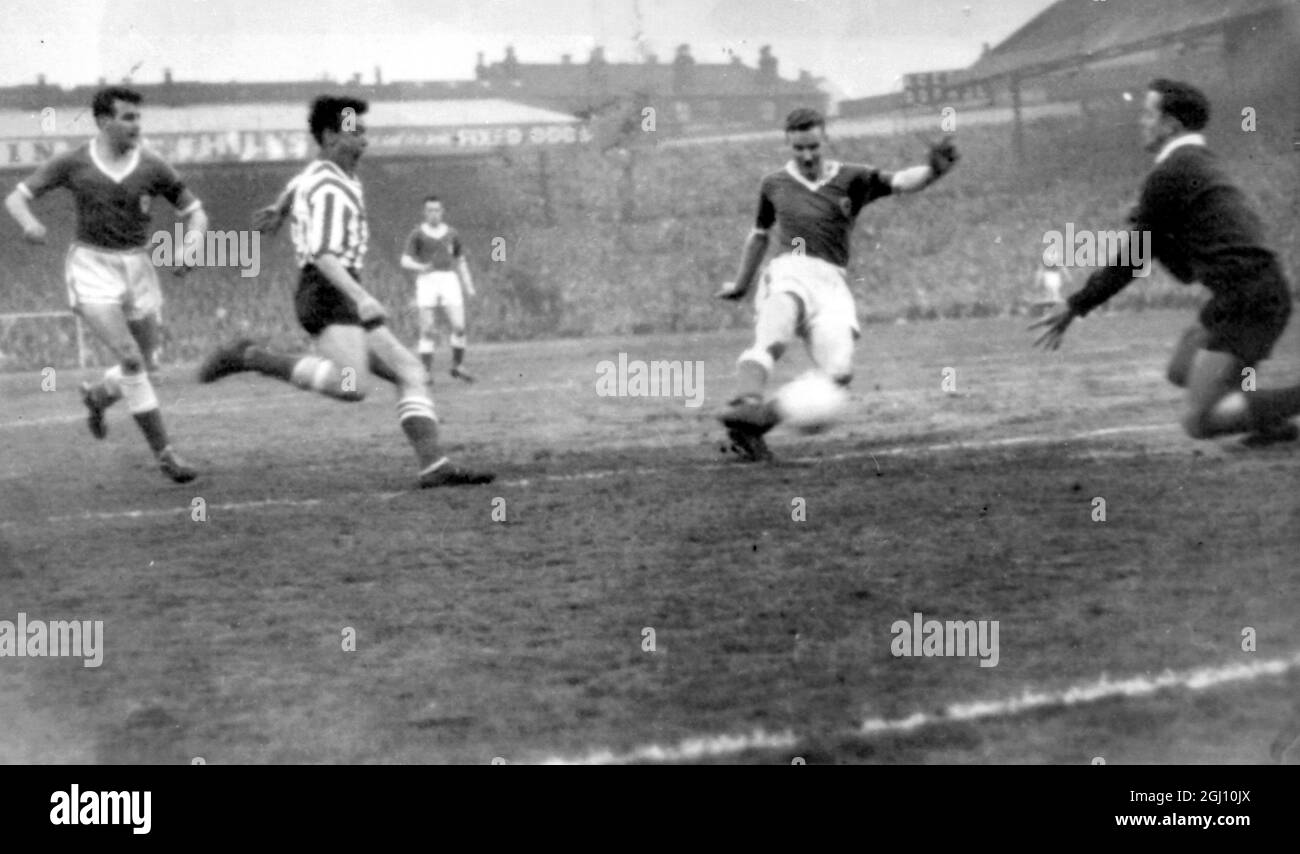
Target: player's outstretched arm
[33, 228]
[750, 259]
[272, 217]
[196, 229]
[943, 155]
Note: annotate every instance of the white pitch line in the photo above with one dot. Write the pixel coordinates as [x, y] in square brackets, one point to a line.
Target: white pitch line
[717, 746]
[244, 404]
[234, 404]
[602, 474]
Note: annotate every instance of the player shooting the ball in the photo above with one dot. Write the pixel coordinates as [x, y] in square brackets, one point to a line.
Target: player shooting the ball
[804, 293]
[326, 206]
[1203, 229]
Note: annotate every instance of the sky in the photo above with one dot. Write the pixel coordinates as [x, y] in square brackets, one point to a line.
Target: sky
[861, 46]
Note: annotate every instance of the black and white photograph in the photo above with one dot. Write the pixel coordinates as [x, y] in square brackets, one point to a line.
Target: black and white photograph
[650, 382]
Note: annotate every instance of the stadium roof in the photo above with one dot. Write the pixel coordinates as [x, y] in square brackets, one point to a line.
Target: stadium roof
[485, 112]
[1071, 32]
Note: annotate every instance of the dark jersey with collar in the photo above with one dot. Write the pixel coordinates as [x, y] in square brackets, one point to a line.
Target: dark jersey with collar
[1203, 229]
[816, 218]
[113, 210]
[441, 249]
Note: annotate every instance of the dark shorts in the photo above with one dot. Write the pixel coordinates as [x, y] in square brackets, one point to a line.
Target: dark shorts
[319, 303]
[1248, 320]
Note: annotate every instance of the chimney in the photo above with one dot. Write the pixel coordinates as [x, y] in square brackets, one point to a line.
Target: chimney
[683, 68]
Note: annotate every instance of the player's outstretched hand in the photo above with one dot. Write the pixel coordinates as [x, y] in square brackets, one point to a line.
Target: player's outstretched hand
[729, 291]
[1055, 324]
[943, 155]
[371, 309]
[268, 219]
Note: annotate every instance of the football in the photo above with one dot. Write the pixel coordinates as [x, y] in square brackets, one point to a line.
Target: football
[811, 403]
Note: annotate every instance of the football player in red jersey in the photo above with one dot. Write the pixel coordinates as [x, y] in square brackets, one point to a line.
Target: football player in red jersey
[434, 253]
[112, 283]
[812, 203]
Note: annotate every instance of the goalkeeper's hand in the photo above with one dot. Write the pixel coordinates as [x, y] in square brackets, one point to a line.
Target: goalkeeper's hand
[943, 155]
[1055, 324]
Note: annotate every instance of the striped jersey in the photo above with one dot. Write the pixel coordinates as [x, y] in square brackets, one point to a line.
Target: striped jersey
[329, 215]
[113, 205]
[437, 246]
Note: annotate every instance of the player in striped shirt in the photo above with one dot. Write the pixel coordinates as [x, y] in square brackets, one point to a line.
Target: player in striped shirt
[348, 325]
[112, 283]
[434, 253]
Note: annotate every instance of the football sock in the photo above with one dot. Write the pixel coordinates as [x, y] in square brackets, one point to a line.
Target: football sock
[143, 404]
[319, 375]
[271, 364]
[752, 377]
[306, 372]
[420, 424]
[457, 342]
[425, 349]
[146, 331]
[1267, 407]
[380, 369]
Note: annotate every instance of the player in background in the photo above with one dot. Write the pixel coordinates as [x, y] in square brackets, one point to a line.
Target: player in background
[347, 324]
[434, 253]
[812, 203]
[1050, 277]
[112, 283]
[1203, 229]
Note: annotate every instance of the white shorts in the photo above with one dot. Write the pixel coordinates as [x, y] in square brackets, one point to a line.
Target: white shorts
[113, 277]
[438, 288]
[828, 319]
[821, 287]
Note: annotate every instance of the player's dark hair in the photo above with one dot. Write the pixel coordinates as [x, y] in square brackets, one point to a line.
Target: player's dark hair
[804, 118]
[431, 198]
[327, 113]
[1182, 101]
[101, 106]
